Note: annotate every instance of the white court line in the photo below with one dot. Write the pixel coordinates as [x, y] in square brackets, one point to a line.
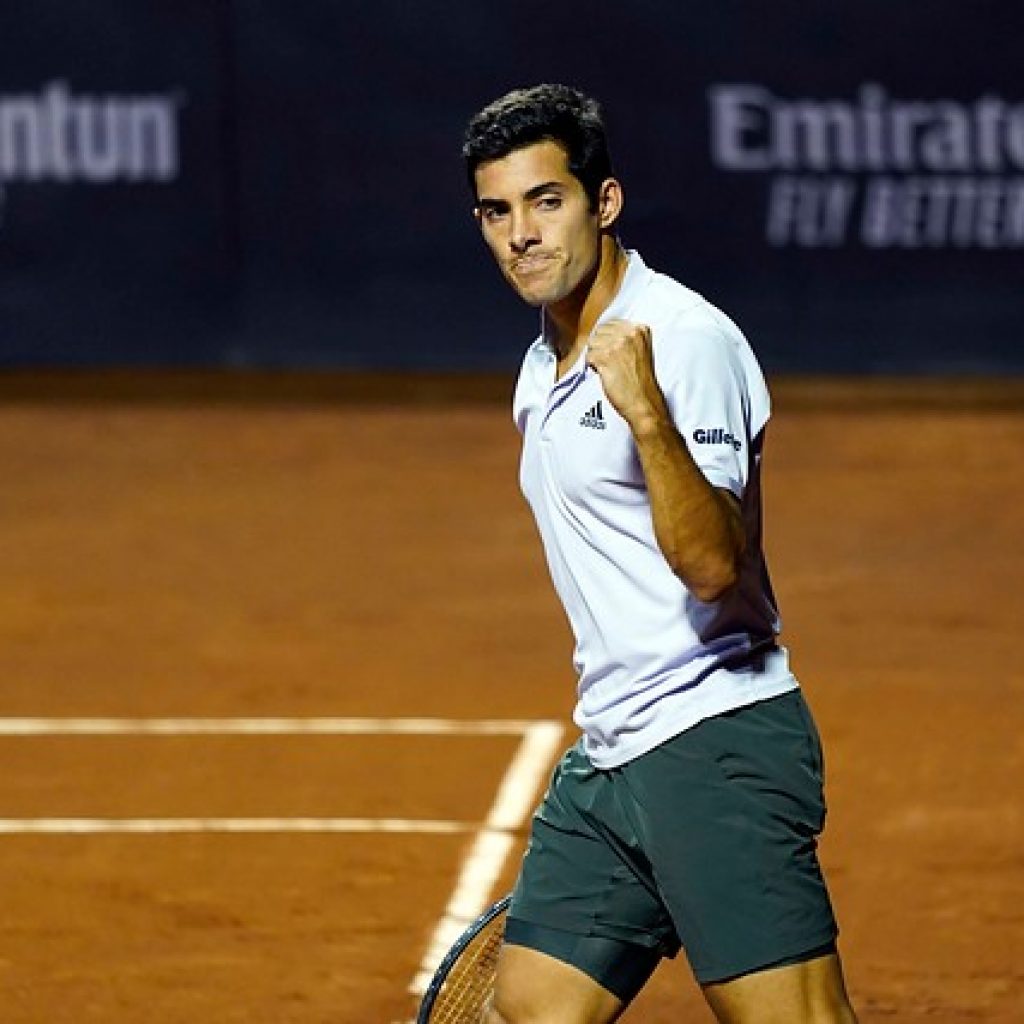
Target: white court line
[261, 727]
[480, 869]
[172, 826]
[486, 858]
[39, 727]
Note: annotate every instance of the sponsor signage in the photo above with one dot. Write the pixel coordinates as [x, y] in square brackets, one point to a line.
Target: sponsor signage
[271, 185]
[59, 136]
[113, 213]
[55, 135]
[876, 170]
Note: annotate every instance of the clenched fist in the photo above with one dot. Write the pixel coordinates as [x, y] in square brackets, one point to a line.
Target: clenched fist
[621, 352]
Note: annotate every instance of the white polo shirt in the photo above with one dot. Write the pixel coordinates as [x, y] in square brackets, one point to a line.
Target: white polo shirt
[652, 659]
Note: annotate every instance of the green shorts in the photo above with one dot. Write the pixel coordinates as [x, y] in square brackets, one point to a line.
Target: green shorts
[707, 842]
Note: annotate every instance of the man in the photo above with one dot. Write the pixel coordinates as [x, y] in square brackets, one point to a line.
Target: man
[687, 814]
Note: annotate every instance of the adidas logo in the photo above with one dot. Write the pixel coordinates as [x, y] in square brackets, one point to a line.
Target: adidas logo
[593, 418]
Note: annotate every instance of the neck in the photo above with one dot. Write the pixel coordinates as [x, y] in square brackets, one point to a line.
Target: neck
[574, 317]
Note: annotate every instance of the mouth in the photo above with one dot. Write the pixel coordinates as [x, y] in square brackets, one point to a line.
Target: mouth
[524, 266]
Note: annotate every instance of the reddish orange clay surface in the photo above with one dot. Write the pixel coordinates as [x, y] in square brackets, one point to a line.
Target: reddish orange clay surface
[189, 557]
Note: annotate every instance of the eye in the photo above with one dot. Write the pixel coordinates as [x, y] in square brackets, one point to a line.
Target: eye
[551, 202]
[492, 214]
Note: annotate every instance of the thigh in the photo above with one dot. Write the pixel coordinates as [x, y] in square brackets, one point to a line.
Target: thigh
[536, 988]
[729, 812]
[811, 990]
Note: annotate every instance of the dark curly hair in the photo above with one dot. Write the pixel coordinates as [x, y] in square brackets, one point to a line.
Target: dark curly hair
[557, 113]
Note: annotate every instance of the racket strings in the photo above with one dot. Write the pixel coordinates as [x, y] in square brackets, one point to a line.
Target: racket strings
[468, 987]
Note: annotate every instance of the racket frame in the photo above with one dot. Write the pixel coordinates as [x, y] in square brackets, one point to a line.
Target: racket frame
[453, 954]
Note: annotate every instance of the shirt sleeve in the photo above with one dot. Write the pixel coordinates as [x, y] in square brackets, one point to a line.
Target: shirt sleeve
[706, 383]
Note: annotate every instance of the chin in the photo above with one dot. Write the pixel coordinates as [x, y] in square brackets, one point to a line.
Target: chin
[546, 296]
[531, 296]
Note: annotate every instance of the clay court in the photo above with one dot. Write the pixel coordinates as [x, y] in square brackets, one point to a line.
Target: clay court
[183, 558]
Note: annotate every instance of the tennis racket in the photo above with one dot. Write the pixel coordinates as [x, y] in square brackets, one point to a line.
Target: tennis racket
[462, 985]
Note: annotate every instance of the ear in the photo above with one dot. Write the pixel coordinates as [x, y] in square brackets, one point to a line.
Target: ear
[609, 202]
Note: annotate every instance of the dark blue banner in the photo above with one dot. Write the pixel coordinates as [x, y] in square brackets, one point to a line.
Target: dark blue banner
[114, 230]
[279, 185]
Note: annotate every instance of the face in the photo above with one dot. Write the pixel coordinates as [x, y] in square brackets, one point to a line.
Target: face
[536, 219]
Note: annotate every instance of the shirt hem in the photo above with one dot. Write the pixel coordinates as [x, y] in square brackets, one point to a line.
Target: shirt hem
[623, 753]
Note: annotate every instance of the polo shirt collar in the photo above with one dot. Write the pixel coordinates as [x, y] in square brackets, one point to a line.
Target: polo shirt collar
[633, 283]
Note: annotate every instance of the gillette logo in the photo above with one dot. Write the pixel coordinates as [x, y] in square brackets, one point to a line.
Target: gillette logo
[716, 435]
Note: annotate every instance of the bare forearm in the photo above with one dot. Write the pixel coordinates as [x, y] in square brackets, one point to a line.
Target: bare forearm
[698, 528]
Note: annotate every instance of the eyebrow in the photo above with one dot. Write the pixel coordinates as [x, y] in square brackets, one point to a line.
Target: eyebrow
[539, 190]
[532, 193]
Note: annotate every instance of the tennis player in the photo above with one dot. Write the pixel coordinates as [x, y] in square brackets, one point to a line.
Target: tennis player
[687, 814]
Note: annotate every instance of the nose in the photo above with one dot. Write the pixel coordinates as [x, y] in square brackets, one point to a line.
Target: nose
[523, 231]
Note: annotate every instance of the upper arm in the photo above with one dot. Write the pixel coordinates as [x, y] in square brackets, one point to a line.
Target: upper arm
[706, 389]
